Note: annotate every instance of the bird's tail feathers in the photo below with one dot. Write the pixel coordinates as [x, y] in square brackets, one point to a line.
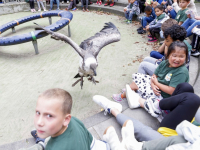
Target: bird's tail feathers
[109, 25]
[77, 75]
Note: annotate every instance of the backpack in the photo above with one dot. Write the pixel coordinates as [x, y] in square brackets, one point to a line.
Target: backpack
[196, 41]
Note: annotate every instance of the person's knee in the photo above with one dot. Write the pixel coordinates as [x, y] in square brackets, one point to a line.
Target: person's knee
[192, 99]
[144, 18]
[177, 140]
[185, 87]
[142, 65]
[147, 59]
[153, 54]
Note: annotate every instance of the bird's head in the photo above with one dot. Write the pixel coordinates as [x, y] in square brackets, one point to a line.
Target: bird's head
[93, 67]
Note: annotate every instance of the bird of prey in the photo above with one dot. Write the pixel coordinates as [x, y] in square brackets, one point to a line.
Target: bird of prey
[89, 49]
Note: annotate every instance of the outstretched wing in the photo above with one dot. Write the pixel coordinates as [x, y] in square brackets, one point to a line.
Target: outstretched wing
[107, 35]
[62, 37]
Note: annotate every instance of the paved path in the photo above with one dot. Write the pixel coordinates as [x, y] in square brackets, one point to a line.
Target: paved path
[50, 61]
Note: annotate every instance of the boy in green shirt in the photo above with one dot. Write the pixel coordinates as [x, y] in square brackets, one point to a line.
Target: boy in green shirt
[181, 15]
[53, 118]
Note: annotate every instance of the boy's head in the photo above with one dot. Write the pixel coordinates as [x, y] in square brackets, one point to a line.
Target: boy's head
[174, 33]
[132, 1]
[159, 10]
[183, 3]
[148, 10]
[168, 23]
[52, 112]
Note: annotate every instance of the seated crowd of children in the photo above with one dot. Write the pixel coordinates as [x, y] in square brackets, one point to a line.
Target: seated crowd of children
[160, 87]
[156, 13]
[183, 11]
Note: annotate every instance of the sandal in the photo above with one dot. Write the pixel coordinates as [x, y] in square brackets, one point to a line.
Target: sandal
[87, 10]
[83, 10]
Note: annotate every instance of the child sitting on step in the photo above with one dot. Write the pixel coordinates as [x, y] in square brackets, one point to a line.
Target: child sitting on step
[131, 9]
[150, 16]
[163, 82]
[155, 25]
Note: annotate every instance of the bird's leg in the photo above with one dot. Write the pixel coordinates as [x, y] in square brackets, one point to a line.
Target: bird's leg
[76, 82]
[91, 79]
[81, 82]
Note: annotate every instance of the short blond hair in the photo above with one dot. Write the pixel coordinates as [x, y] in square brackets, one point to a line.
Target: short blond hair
[60, 95]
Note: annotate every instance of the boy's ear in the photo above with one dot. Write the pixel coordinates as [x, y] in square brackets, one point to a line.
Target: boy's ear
[67, 120]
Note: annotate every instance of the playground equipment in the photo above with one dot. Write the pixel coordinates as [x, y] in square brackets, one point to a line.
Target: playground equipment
[65, 19]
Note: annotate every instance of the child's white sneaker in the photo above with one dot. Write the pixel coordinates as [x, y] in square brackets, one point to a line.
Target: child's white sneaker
[151, 105]
[110, 136]
[45, 10]
[39, 9]
[106, 104]
[128, 137]
[132, 97]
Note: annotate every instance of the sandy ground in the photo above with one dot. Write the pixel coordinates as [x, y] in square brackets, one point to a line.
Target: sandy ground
[24, 75]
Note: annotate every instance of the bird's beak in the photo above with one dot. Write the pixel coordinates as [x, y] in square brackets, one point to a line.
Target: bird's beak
[94, 70]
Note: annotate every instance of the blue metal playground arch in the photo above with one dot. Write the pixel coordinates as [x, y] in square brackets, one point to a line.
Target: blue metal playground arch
[65, 19]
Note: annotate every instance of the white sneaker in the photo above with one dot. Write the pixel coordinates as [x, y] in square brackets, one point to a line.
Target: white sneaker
[110, 136]
[106, 104]
[132, 97]
[45, 10]
[151, 106]
[128, 137]
[62, 2]
[39, 9]
[196, 53]
[67, 2]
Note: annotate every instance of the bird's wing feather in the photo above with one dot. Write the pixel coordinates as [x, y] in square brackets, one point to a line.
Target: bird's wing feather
[66, 39]
[107, 35]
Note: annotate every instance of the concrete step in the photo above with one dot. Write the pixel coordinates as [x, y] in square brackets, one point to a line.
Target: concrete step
[197, 81]
[117, 10]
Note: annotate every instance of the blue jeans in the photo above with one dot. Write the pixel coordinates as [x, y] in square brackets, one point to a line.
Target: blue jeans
[51, 4]
[146, 20]
[156, 54]
[129, 15]
[189, 24]
[172, 13]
